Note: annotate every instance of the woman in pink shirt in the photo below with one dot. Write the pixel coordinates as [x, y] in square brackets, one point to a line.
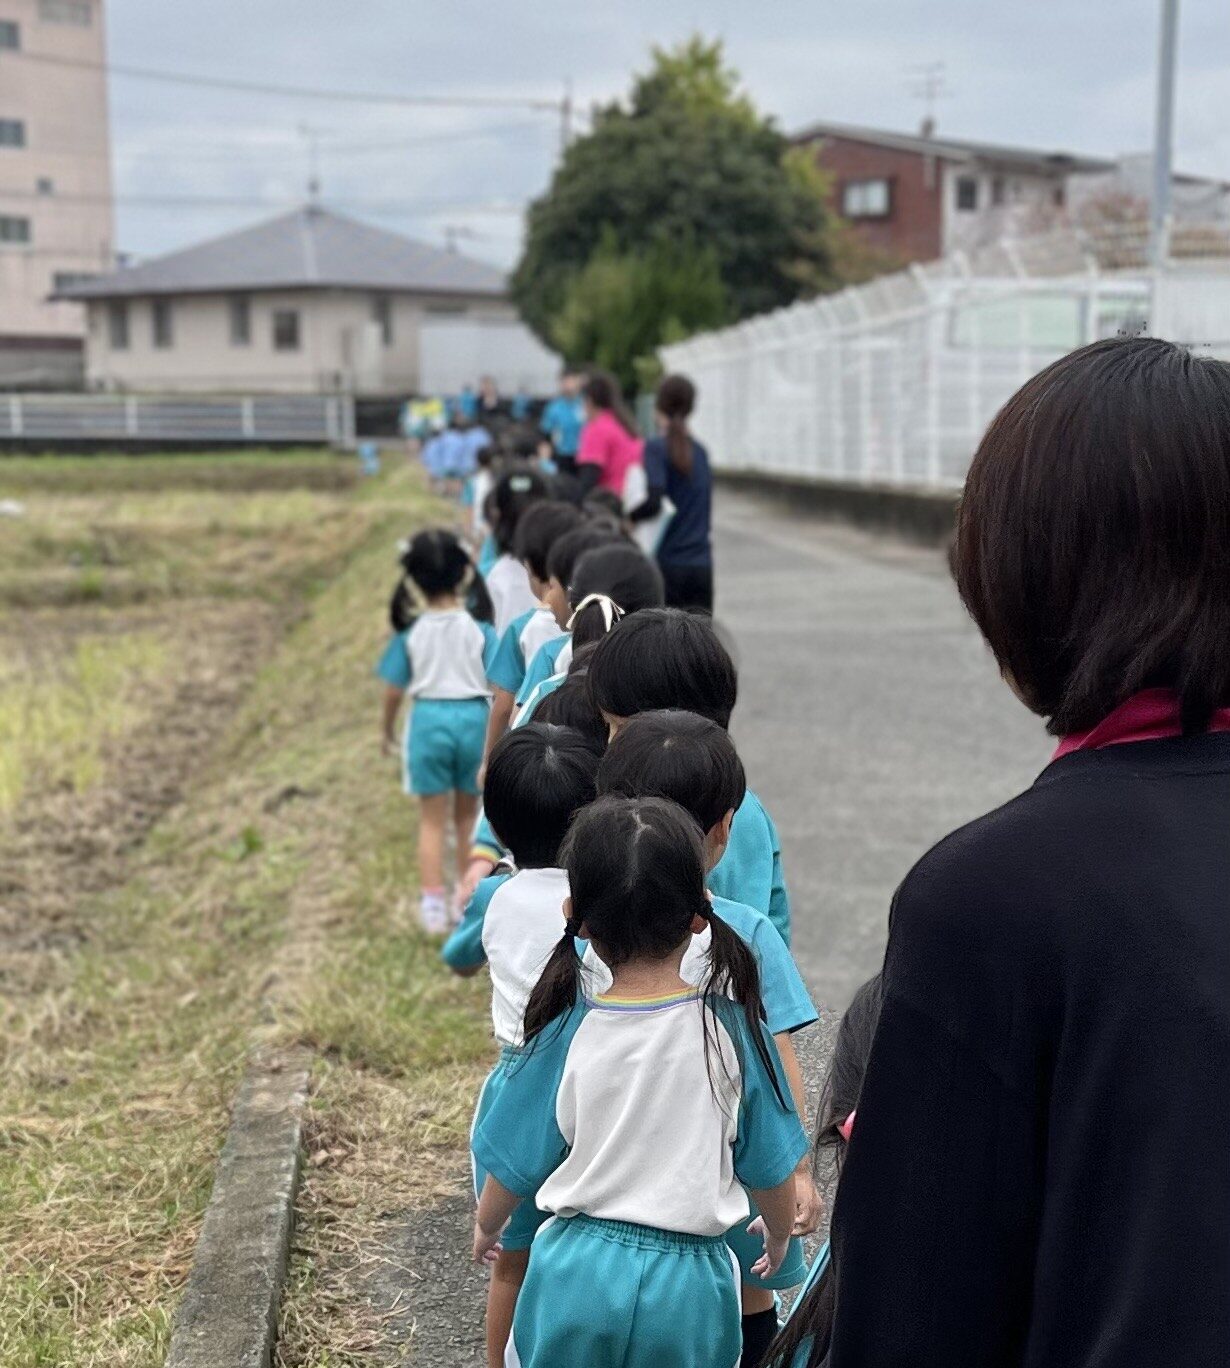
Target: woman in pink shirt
[609, 445]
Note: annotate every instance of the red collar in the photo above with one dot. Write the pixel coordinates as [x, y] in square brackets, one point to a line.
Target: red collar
[1147, 716]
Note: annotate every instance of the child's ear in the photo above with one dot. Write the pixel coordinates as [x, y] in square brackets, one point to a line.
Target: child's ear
[698, 924]
[725, 825]
[568, 909]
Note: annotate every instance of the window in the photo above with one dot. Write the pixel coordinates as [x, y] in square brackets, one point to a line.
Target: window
[45, 185]
[160, 322]
[14, 229]
[241, 320]
[69, 280]
[866, 199]
[286, 330]
[12, 133]
[382, 315]
[967, 192]
[78, 12]
[10, 35]
[117, 325]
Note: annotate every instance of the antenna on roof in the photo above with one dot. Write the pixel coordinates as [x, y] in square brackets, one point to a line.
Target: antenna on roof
[453, 232]
[311, 137]
[929, 85]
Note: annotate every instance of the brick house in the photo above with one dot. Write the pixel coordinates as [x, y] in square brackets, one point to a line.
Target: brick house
[918, 196]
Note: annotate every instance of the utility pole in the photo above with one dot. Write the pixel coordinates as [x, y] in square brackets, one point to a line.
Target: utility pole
[1163, 135]
[565, 117]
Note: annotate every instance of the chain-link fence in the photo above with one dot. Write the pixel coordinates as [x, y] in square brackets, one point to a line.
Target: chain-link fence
[895, 381]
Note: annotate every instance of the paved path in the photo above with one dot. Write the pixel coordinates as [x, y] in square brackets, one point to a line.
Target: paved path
[871, 721]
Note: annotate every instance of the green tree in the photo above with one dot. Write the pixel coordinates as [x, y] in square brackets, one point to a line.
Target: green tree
[686, 160]
[622, 305]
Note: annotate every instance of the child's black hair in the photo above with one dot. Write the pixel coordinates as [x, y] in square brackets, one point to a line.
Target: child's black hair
[636, 873]
[436, 563]
[540, 527]
[402, 611]
[664, 658]
[603, 503]
[569, 549]
[571, 706]
[812, 1318]
[676, 755]
[621, 572]
[537, 778]
[515, 490]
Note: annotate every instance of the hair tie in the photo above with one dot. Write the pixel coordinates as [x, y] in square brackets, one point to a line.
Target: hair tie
[846, 1129]
[520, 484]
[572, 927]
[611, 611]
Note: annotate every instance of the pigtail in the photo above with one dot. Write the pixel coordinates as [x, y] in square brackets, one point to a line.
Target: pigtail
[810, 1323]
[733, 973]
[558, 987]
[478, 598]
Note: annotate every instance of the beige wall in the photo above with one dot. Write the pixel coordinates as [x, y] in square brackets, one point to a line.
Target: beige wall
[339, 344]
[67, 141]
[1028, 207]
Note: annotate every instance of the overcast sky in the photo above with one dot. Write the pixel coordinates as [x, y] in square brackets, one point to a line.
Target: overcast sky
[1076, 75]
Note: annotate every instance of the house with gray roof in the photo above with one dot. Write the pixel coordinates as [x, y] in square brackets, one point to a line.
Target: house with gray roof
[309, 302]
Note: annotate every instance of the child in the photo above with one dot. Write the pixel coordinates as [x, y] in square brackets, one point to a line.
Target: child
[638, 1116]
[507, 582]
[538, 778]
[474, 495]
[561, 560]
[540, 527]
[804, 1340]
[441, 661]
[666, 658]
[692, 761]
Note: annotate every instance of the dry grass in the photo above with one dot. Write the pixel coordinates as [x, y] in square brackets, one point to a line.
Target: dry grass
[119, 1055]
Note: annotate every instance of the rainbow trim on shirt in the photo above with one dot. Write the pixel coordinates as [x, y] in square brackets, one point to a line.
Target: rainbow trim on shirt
[607, 1002]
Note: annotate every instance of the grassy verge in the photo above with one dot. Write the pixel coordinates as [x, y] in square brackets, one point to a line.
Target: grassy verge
[270, 905]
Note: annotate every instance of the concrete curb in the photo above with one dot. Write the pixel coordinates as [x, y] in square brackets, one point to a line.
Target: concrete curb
[229, 1313]
[919, 515]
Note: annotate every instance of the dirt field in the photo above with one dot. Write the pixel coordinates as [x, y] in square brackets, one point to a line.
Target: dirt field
[201, 853]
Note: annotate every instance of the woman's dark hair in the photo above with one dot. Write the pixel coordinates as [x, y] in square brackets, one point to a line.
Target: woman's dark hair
[571, 706]
[540, 527]
[537, 777]
[812, 1319]
[602, 390]
[436, 563]
[568, 549]
[624, 574]
[680, 756]
[664, 658]
[1093, 539]
[515, 490]
[636, 873]
[675, 401]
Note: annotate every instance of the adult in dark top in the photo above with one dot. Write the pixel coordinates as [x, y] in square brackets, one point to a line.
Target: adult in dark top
[1039, 1174]
[677, 468]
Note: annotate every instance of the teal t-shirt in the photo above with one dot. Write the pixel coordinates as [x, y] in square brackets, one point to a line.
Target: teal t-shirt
[787, 1003]
[751, 869]
[543, 666]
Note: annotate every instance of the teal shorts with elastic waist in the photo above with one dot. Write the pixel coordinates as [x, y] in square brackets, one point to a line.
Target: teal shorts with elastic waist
[610, 1294]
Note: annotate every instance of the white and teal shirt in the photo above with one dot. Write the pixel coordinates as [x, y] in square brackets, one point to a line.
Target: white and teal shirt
[511, 924]
[551, 659]
[508, 584]
[787, 1003]
[519, 645]
[619, 1111]
[444, 655]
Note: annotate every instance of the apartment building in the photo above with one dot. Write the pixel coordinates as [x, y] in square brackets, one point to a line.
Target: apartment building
[56, 213]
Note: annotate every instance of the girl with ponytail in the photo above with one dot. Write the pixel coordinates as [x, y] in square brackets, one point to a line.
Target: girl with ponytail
[640, 1115]
[692, 761]
[677, 473]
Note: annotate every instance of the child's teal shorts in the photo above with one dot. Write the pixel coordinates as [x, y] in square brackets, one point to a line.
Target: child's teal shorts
[520, 1231]
[444, 745]
[607, 1294]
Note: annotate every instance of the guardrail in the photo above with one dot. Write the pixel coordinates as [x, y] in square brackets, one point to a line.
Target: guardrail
[138, 418]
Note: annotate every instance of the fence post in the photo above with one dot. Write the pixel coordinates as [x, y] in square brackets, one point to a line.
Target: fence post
[247, 416]
[131, 416]
[347, 402]
[16, 415]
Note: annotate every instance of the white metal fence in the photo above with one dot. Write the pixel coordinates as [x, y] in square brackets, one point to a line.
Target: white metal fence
[310, 419]
[895, 381]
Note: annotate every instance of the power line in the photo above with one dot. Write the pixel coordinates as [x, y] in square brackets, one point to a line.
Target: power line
[237, 85]
[252, 201]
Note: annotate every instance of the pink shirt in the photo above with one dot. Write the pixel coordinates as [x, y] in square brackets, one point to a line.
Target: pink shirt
[606, 443]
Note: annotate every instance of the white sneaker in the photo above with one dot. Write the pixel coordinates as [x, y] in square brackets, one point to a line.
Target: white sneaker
[433, 914]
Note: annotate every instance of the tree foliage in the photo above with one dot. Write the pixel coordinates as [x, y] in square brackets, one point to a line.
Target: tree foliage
[686, 160]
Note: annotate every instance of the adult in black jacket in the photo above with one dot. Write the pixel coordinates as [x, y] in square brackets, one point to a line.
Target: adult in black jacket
[1039, 1174]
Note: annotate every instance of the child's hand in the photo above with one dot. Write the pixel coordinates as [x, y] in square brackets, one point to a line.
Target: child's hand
[476, 872]
[808, 1204]
[487, 1248]
[774, 1249]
